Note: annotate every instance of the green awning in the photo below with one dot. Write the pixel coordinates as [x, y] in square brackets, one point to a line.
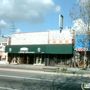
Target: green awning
[25, 48]
[48, 49]
[60, 49]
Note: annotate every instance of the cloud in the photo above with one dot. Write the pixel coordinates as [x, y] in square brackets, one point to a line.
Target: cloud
[79, 26]
[33, 11]
[17, 31]
[57, 9]
[3, 24]
[66, 27]
[84, 2]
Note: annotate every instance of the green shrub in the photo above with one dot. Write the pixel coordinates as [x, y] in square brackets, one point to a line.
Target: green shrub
[64, 69]
[83, 68]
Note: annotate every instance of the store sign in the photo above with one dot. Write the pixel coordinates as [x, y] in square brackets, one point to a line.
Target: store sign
[81, 49]
[10, 49]
[39, 49]
[23, 49]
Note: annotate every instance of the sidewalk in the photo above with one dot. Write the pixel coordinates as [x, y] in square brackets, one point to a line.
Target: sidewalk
[40, 69]
[3, 62]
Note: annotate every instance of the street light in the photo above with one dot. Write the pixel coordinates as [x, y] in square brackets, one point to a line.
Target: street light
[60, 22]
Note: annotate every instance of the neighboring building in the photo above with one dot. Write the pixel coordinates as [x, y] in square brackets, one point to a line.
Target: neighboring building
[42, 48]
[81, 44]
[4, 41]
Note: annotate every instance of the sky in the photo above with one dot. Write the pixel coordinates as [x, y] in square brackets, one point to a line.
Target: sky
[33, 15]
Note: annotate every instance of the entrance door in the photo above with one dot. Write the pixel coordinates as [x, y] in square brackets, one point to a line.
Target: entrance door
[31, 61]
[0, 58]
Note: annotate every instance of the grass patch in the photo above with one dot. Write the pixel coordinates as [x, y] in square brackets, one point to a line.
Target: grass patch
[51, 69]
[64, 70]
[83, 68]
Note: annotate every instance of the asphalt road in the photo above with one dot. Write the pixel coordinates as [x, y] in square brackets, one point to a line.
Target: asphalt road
[26, 80]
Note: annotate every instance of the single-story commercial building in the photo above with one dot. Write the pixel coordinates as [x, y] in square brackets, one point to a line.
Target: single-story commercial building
[45, 54]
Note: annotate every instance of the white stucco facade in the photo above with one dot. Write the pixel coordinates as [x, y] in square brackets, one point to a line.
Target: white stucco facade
[42, 37]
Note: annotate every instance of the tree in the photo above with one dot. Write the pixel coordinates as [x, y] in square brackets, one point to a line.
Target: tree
[80, 15]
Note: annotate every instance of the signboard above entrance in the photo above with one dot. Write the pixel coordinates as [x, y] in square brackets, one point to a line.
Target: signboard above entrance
[24, 49]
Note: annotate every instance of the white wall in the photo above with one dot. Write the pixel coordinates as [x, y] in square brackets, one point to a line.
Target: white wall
[44, 37]
[30, 38]
[57, 37]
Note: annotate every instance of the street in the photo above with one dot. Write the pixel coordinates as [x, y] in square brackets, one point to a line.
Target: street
[26, 80]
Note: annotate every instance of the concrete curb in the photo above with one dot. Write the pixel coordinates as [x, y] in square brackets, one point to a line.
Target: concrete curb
[42, 72]
[39, 69]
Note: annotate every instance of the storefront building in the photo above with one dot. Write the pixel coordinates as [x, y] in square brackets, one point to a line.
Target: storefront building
[41, 54]
[41, 48]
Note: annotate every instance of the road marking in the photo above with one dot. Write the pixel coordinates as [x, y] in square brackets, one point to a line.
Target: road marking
[4, 88]
[38, 79]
